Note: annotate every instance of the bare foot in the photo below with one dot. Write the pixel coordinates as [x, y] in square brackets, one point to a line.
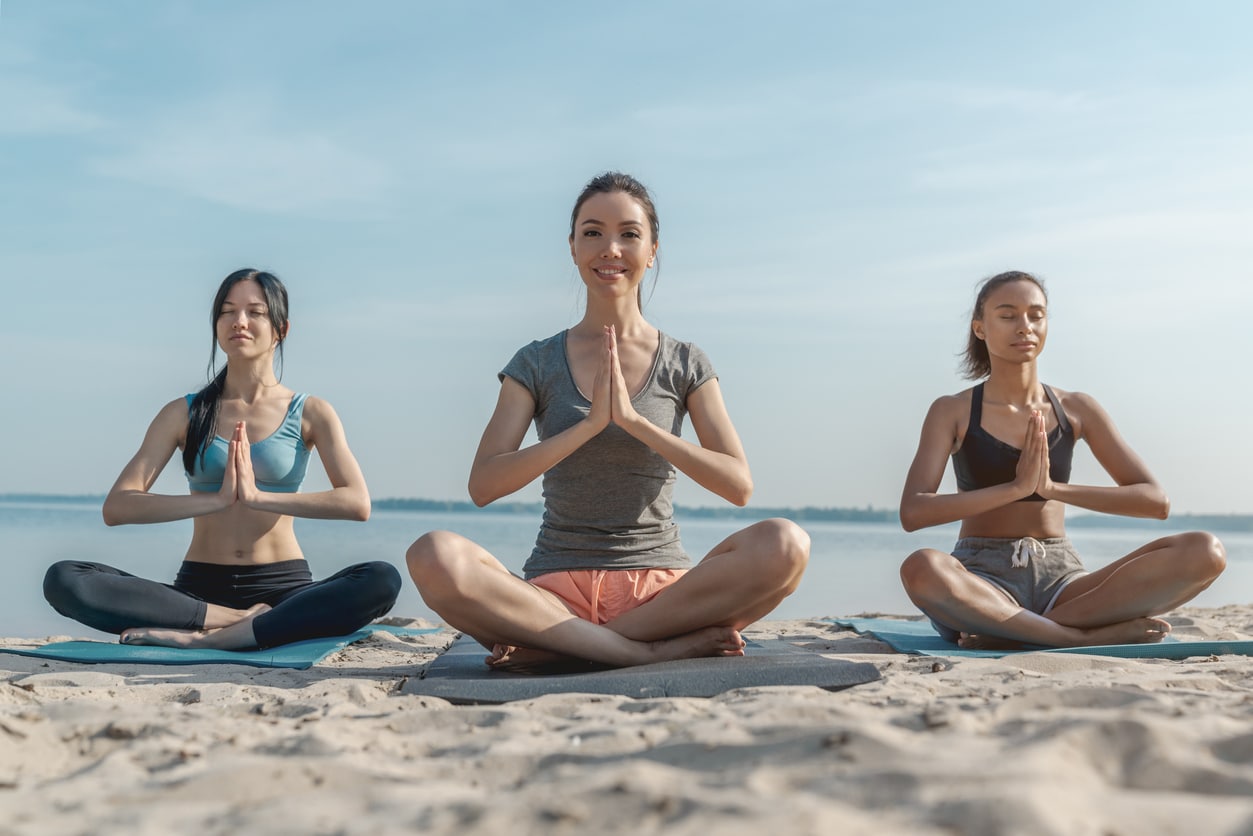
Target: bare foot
[237, 636]
[1135, 631]
[709, 641]
[165, 637]
[508, 657]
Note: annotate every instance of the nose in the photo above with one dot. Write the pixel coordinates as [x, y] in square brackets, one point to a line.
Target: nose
[238, 320]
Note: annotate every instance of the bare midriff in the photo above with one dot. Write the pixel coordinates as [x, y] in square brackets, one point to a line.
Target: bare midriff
[1040, 520]
[243, 536]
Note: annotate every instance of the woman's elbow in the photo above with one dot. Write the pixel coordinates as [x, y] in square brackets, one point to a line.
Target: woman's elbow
[1161, 508]
[355, 505]
[479, 494]
[739, 498]
[911, 517]
[112, 512]
[740, 491]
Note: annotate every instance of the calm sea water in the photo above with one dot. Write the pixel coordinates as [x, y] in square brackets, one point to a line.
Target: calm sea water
[852, 568]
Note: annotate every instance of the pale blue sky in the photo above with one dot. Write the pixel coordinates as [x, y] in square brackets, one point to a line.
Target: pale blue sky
[832, 179]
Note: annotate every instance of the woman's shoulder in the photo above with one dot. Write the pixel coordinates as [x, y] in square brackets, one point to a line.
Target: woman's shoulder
[177, 407]
[955, 404]
[1077, 403]
[536, 358]
[686, 350]
[557, 342]
[172, 418]
[683, 361]
[312, 407]
[1081, 408]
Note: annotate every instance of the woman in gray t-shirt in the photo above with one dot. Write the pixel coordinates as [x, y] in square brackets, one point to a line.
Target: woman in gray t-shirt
[608, 579]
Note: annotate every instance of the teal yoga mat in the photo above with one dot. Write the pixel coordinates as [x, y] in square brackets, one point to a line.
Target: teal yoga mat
[297, 655]
[919, 637]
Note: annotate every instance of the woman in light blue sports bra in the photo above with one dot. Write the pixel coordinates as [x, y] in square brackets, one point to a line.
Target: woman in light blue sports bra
[244, 582]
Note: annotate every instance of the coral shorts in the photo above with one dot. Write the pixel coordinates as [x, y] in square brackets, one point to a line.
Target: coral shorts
[599, 595]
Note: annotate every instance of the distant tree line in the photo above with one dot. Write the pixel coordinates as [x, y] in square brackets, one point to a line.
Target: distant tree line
[1209, 522]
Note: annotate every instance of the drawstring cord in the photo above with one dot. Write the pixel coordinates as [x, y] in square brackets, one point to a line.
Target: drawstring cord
[1024, 550]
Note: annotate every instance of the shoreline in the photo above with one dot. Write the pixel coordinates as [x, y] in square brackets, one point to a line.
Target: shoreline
[938, 745]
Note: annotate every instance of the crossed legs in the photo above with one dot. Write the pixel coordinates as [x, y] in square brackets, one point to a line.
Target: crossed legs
[742, 579]
[1113, 605]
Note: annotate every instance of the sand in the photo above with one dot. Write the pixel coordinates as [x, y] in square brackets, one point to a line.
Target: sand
[1028, 744]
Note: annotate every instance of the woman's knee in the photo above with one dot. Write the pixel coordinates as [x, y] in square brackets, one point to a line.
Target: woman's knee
[434, 561]
[787, 545]
[62, 585]
[1207, 558]
[922, 571]
[384, 581]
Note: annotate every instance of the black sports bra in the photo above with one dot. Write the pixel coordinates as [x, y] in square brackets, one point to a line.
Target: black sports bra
[984, 460]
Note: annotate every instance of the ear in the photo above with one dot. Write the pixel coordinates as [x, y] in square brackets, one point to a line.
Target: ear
[652, 257]
[282, 337]
[976, 325]
[572, 247]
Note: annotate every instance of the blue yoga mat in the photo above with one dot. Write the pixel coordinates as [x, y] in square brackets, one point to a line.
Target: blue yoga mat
[919, 637]
[298, 655]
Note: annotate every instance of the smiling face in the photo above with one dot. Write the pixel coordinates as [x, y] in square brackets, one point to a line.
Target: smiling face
[1013, 322]
[612, 244]
[244, 325]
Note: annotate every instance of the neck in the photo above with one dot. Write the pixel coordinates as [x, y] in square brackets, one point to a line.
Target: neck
[1016, 384]
[622, 313]
[249, 381]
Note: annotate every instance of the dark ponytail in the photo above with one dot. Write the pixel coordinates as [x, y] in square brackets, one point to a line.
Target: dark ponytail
[202, 419]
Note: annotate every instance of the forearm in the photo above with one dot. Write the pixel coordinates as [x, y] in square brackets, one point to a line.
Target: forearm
[721, 473]
[923, 510]
[501, 474]
[1143, 499]
[343, 503]
[138, 507]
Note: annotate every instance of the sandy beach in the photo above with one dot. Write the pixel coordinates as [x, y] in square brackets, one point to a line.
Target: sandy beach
[1028, 744]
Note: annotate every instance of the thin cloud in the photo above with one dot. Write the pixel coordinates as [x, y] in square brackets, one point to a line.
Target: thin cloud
[34, 107]
[233, 152]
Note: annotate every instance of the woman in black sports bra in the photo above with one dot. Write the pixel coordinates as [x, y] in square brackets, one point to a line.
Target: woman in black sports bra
[1013, 577]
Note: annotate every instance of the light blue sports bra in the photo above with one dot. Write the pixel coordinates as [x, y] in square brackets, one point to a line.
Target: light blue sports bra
[278, 461]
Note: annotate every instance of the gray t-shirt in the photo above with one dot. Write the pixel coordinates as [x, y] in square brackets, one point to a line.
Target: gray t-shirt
[608, 504]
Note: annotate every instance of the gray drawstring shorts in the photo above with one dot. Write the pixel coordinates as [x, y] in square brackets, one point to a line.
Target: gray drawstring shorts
[1031, 572]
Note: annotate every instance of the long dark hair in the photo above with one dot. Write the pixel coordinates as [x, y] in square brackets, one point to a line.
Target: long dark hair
[975, 362]
[202, 419]
[616, 181]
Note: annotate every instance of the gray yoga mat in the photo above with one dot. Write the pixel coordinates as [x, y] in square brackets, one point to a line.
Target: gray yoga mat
[459, 675]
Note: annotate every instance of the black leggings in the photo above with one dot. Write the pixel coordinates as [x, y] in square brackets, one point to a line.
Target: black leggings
[112, 601]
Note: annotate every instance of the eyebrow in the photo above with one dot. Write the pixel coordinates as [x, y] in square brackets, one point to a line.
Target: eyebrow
[1011, 306]
[594, 221]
